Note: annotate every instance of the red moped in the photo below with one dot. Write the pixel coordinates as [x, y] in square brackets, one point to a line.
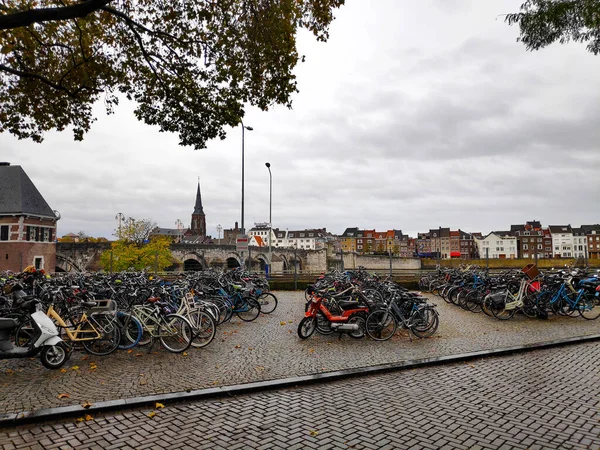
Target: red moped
[327, 315]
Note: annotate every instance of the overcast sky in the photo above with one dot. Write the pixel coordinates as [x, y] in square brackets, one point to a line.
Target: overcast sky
[413, 115]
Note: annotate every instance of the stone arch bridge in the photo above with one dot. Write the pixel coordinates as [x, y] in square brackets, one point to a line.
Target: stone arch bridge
[83, 256]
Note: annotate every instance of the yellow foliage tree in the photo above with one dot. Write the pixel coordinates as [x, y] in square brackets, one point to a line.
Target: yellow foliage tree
[126, 255]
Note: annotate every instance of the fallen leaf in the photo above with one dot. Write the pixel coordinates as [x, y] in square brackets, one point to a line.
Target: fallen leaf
[238, 346]
[282, 323]
[314, 432]
[63, 370]
[87, 405]
[250, 348]
[64, 395]
[88, 417]
[129, 351]
[93, 366]
[138, 354]
[75, 368]
[85, 358]
[9, 371]
[290, 321]
[80, 419]
[151, 414]
[311, 350]
[159, 406]
[215, 382]
[142, 382]
[185, 353]
[290, 331]
[329, 343]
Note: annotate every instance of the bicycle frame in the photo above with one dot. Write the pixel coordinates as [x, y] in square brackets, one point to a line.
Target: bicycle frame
[74, 335]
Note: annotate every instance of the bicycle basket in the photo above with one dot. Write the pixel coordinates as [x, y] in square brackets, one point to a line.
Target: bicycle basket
[531, 271]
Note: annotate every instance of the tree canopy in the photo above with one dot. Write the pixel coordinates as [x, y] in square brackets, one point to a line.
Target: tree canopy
[127, 255]
[543, 22]
[189, 66]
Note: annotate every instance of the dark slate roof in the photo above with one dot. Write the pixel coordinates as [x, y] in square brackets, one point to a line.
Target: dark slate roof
[589, 228]
[560, 229]
[579, 231]
[18, 195]
[198, 206]
[350, 232]
[166, 232]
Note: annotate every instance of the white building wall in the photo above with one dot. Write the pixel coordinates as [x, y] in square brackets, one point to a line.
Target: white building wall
[497, 246]
[562, 245]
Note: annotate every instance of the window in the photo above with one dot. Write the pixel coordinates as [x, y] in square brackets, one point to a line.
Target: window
[539, 247]
[525, 247]
[4, 233]
[38, 262]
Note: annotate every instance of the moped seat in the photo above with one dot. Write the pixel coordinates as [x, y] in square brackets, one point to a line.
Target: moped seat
[7, 323]
[349, 304]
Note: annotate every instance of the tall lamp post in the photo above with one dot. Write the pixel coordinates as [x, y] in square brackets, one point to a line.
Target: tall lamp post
[244, 127]
[270, 220]
[120, 216]
[219, 229]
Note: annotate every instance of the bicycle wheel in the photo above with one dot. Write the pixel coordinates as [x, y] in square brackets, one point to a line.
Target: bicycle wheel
[307, 327]
[175, 333]
[249, 310]
[588, 308]
[110, 335]
[268, 302]
[204, 328]
[381, 325]
[425, 323]
[24, 333]
[131, 330]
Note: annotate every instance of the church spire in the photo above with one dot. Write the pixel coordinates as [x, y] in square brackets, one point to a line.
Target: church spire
[198, 207]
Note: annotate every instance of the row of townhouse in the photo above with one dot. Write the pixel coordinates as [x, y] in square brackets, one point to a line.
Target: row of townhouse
[532, 241]
[529, 240]
[309, 239]
[377, 242]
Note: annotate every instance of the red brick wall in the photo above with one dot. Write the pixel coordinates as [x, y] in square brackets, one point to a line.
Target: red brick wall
[16, 256]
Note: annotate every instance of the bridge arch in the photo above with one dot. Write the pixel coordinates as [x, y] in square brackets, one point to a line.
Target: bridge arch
[64, 264]
[194, 262]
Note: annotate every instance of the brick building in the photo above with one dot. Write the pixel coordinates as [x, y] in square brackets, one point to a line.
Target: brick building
[27, 223]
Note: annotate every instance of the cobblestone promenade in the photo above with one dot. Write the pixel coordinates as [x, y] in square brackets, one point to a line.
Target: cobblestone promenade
[268, 348]
[543, 399]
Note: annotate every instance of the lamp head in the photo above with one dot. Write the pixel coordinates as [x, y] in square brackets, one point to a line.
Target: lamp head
[249, 128]
[268, 165]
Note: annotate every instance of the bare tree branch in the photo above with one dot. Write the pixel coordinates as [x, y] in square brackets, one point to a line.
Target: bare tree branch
[26, 18]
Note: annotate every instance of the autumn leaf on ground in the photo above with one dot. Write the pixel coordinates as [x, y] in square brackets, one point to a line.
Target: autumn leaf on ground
[63, 370]
[85, 357]
[80, 419]
[64, 395]
[129, 351]
[314, 432]
[87, 405]
[250, 348]
[185, 353]
[75, 368]
[138, 354]
[311, 350]
[290, 331]
[88, 417]
[151, 414]
[290, 321]
[93, 366]
[9, 371]
[142, 382]
[238, 346]
[282, 323]
[159, 406]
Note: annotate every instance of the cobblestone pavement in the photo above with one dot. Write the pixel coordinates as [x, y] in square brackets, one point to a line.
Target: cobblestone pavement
[268, 348]
[541, 399]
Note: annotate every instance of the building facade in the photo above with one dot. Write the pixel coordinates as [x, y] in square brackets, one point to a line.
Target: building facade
[27, 223]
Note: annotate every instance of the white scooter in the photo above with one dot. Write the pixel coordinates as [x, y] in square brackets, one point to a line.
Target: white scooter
[45, 340]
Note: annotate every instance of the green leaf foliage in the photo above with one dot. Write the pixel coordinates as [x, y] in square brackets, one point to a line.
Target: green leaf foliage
[544, 22]
[190, 66]
[127, 255]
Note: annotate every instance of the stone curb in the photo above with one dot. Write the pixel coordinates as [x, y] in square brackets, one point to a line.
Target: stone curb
[40, 415]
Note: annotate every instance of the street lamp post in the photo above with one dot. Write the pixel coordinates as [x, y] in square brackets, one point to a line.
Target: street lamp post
[119, 217]
[243, 134]
[270, 220]
[219, 229]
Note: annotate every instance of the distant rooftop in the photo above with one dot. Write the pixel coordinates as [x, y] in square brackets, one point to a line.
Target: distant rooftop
[19, 196]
